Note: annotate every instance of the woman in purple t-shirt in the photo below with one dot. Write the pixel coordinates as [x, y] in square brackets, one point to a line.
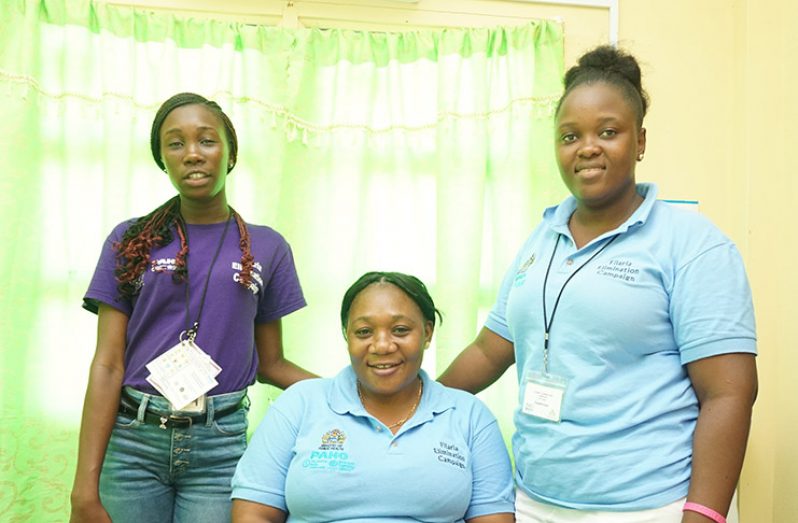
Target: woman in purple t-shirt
[189, 301]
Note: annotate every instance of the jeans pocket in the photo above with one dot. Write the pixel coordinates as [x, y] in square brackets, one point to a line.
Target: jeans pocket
[233, 424]
[126, 421]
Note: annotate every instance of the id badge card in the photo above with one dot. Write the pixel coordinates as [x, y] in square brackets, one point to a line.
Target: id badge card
[183, 374]
[543, 396]
[195, 407]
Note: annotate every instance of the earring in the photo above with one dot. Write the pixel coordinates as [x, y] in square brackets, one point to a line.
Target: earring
[640, 157]
[229, 166]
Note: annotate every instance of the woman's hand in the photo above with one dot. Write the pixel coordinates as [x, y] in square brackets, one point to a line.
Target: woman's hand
[88, 512]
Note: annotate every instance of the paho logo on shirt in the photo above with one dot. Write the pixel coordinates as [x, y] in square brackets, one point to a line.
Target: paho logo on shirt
[331, 454]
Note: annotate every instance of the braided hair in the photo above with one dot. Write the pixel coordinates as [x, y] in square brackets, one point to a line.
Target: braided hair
[155, 229]
[615, 67]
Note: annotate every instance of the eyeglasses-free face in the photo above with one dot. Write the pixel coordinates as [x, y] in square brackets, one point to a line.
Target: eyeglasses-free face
[386, 336]
[598, 141]
[195, 151]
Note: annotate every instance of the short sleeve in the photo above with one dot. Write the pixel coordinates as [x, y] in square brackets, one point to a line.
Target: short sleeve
[282, 293]
[711, 306]
[103, 285]
[497, 318]
[492, 489]
[261, 472]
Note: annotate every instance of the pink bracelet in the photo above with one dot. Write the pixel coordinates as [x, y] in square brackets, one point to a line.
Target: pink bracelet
[704, 511]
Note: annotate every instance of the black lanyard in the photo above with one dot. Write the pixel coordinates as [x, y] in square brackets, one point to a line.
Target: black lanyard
[546, 322]
[191, 330]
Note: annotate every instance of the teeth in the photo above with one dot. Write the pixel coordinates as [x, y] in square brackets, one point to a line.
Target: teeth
[195, 176]
[383, 366]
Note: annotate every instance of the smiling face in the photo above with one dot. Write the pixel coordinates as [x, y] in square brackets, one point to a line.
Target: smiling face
[195, 151]
[386, 334]
[598, 141]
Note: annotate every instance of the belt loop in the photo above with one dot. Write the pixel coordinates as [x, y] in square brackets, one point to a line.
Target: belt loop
[145, 400]
[245, 401]
[209, 410]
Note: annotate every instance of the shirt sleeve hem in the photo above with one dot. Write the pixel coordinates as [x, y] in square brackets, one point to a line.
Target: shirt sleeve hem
[486, 509]
[283, 311]
[258, 496]
[718, 347]
[499, 329]
[91, 302]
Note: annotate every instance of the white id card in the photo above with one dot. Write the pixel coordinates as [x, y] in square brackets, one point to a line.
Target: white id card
[183, 374]
[543, 396]
[195, 407]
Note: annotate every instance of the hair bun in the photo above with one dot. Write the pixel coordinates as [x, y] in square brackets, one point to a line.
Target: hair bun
[608, 64]
[612, 60]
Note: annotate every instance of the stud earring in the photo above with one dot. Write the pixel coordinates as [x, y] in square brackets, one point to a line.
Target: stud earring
[640, 157]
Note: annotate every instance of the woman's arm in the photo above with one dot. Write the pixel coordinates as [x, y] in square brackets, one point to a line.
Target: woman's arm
[480, 364]
[99, 414]
[273, 367]
[726, 386]
[251, 512]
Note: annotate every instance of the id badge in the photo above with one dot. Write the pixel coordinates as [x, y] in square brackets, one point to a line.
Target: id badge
[543, 396]
[183, 375]
[195, 407]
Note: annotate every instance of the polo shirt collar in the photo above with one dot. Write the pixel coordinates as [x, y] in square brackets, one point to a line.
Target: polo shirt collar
[557, 217]
[343, 397]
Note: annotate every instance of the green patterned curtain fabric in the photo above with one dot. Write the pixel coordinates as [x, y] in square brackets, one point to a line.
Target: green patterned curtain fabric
[427, 152]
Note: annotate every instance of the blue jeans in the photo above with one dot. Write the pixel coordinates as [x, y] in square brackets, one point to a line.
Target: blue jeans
[173, 475]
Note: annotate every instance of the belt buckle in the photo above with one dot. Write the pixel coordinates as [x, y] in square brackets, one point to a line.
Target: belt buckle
[174, 417]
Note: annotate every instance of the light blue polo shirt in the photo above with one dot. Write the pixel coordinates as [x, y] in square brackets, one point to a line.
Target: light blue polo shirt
[320, 456]
[669, 290]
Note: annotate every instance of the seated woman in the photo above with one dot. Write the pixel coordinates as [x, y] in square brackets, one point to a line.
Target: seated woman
[381, 441]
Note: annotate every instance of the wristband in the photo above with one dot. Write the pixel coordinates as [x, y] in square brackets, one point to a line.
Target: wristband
[704, 511]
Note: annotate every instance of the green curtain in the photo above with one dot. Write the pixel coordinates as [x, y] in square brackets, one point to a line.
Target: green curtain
[427, 152]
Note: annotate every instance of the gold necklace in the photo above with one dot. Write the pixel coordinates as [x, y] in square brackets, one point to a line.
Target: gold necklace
[409, 414]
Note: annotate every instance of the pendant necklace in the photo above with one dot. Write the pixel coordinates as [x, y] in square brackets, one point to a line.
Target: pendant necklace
[409, 414]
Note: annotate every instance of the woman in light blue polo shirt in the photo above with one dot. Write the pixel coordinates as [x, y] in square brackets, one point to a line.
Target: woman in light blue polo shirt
[381, 441]
[631, 326]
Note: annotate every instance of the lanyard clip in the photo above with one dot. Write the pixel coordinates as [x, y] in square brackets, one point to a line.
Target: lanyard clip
[190, 334]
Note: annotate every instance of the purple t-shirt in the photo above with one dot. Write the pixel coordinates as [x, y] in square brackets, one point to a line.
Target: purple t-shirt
[157, 314]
